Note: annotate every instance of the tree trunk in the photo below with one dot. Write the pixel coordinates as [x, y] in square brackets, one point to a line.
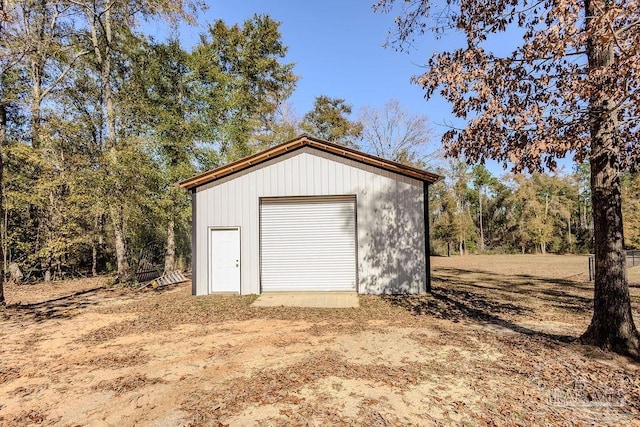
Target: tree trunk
[15, 273]
[97, 240]
[36, 115]
[481, 228]
[37, 63]
[569, 235]
[94, 259]
[3, 143]
[103, 59]
[170, 255]
[124, 271]
[612, 324]
[106, 83]
[587, 224]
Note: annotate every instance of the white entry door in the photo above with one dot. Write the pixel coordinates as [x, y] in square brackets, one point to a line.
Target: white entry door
[224, 260]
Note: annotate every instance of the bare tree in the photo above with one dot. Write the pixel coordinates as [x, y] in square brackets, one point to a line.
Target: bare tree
[394, 133]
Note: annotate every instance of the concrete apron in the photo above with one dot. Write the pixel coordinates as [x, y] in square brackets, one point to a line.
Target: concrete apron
[308, 299]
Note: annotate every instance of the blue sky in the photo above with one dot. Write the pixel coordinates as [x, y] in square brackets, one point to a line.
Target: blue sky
[337, 46]
[338, 50]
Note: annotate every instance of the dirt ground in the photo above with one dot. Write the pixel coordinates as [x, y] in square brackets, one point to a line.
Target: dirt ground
[493, 345]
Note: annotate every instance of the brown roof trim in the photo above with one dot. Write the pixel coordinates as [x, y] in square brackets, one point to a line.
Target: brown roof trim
[302, 141]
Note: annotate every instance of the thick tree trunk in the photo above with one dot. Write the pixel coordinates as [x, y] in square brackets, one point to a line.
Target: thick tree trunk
[612, 324]
[124, 271]
[15, 273]
[170, 255]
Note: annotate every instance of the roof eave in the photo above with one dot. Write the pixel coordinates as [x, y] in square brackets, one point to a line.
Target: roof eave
[298, 142]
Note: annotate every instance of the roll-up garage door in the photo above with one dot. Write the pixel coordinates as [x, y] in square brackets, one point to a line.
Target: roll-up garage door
[308, 244]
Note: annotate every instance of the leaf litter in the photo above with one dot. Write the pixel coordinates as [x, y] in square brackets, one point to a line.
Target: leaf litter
[487, 348]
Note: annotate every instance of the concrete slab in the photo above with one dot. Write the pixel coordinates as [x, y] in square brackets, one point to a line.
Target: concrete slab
[308, 299]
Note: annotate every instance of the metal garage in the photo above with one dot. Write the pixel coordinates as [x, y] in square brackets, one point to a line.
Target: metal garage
[308, 244]
[310, 215]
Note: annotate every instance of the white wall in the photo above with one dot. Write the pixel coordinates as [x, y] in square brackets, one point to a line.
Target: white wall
[390, 221]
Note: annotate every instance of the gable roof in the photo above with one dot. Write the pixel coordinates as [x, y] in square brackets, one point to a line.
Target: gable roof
[305, 140]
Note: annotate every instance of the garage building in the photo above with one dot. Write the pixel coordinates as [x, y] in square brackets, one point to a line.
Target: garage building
[310, 215]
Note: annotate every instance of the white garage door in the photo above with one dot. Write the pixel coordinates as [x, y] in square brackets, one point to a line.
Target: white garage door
[308, 244]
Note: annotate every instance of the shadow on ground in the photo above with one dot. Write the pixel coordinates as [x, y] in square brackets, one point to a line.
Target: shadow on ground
[63, 307]
[478, 296]
[560, 293]
[459, 305]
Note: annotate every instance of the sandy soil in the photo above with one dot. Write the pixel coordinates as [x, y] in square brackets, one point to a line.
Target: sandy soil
[493, 345]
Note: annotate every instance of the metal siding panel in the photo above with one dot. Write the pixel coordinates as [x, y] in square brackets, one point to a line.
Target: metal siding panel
[353, 179]
[280, 188]
[244, 221]
[324, 176]
[364, 248]
[288, 177]
[308, 244]
[265, 182]
[234, 213]
[194, 247]
[223, 202]
[273, 176]
[304, 173]
[426, 238]
[250, 268]
[331, 177]
[214, 199]
[373, 182]
[213, 206]
[362, 237]
[317, 176]
[295, 175]
[201, 252]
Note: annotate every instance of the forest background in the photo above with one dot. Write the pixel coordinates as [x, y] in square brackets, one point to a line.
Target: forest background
[98, 121]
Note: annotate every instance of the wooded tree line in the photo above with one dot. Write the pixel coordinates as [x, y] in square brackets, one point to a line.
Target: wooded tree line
[99, 121]
[474, 211]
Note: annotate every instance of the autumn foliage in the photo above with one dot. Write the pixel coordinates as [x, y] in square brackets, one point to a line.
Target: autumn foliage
[563, 80]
